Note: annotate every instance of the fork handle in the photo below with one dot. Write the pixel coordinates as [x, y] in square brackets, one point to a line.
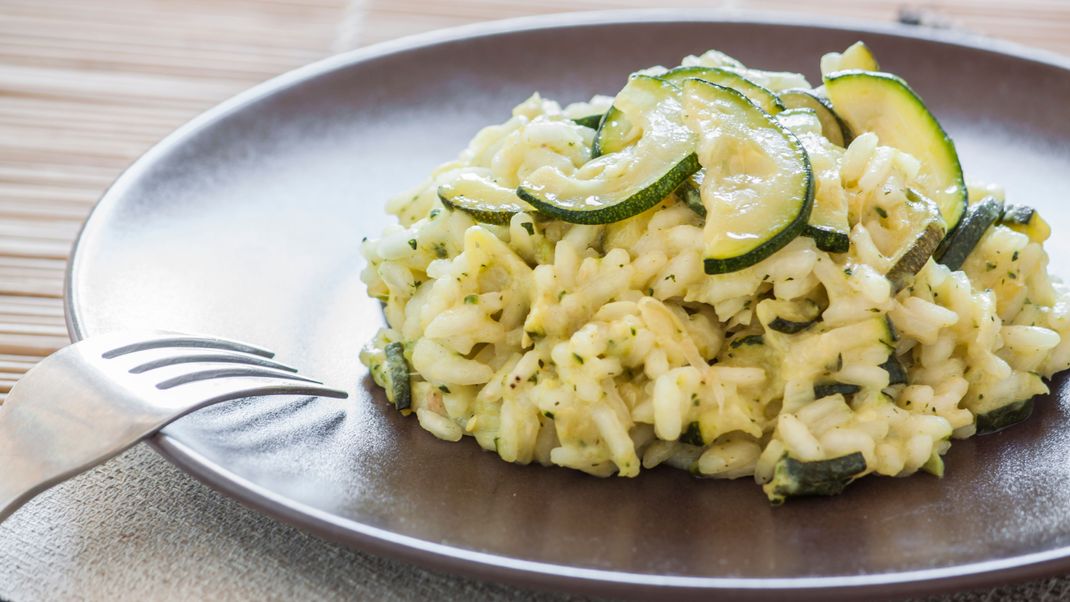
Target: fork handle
[34, 455]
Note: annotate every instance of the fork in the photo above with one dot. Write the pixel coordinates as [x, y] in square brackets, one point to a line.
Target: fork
[96, 398]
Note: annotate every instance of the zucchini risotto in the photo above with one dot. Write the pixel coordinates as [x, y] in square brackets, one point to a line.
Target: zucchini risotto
[722, 269]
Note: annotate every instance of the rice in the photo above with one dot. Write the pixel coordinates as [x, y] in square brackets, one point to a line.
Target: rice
[607, 348]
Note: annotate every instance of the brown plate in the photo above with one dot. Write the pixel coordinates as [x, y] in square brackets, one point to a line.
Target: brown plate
[246, 223]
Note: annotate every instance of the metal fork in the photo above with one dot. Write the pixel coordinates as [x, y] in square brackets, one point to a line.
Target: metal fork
[94, 399]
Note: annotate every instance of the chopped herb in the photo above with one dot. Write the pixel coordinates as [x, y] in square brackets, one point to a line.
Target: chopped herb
[650, 292]
[471, 300]
[989, 266]
[880, 210]
[848, 270]
[633, 331]
[671, 277]
[839, 362]
[440, 251]
[530, 227]
[1012, 275]
[412, 243]
[434, 213]
[578, 357]
[561, 295]
[444, 388]
[1014, 257]
[534, 378]
[548, 414]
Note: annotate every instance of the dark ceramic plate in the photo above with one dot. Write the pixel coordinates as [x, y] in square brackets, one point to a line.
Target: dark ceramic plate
[246, 223]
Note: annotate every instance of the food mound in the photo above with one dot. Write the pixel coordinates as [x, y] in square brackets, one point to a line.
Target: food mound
[721, 269]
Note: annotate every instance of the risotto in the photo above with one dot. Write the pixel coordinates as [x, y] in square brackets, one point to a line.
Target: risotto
[721, 269]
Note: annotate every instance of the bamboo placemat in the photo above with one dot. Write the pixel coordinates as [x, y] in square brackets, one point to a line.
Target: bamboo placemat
[86, 86]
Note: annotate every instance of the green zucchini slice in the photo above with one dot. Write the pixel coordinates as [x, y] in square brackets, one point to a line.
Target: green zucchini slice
[885, 105]
[589, 121]
[729, 79]
[828, 224]
[928, 230]
[689, 193]
[758, 182]
[832, 127]
[615, 133]
[626, 182]
[482, 198]
[792, 478]
[395, 375]
[826, 389]
[857, 56]
[789, 316]
[978, 219]
[897, 374]
[1027, 221]
[1000, 418]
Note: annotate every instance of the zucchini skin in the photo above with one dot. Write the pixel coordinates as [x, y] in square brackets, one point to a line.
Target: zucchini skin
[897, 374]
[923, 247]
[832, 125]
[1001, 418]
[1026, 220]
[607, 137]
[480, 211]
[826, 389]
[802, 320]
[759, 95]
[693, 435]
[399, 389]
[637, 203]
[590, 121]
[689, 194]
[828, 239]
[792, 478]
[978, 219]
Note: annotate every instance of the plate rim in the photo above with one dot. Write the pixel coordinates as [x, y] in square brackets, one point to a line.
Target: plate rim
[494, 567]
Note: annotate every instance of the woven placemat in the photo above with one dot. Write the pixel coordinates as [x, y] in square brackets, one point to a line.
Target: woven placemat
[85, 88]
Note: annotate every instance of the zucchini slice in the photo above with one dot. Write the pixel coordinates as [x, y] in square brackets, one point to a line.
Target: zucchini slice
[857, 56]
[885, 105]
[978, 219]
[689, 193]
[729, 79]
[1001, 418]
[1027, 221]
[626, 182]
[828, 224]
[826, 389]
[832, 127]
[589, 121]
[758, 181]
[789, 316]
[482, 198]
[615, 132]
[928, 230]
[395, 375]
[897, 374]
[792, 478]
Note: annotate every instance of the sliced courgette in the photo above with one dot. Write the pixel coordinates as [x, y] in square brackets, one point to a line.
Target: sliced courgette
[395, 375]
[1001, 418]
[832, 127]
[857, 56]
[926, 230]
[690, 193]
[789, 316]
[615, 132]
[631, 180]
[729, 79]
[589, 121]
[1027, 221]
[828, 224]
[978, 219]
[482, 198]
[792, 478]
[885, 105]
[758, 184]
[897, 374]
[826, 389]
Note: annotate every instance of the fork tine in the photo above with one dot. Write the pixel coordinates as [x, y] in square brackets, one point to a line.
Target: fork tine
[243, 372]
[278, 389]
[181, 341]
[224, 358]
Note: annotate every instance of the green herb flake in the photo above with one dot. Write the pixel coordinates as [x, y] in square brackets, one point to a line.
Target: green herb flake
[1012, 275]
[444, 388]
[989, 266]
[471, 300]
[578, 357]
[530, 227]
[412, 243]
[881, 212]
[434, 213]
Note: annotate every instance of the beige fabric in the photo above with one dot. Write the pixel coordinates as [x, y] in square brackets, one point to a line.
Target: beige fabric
[85, 87]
